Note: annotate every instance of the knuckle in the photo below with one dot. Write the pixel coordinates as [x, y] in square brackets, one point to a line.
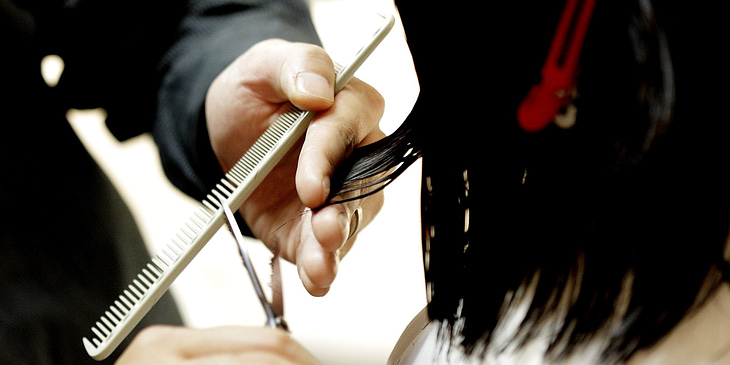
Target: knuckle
[374, 100]
[349, 133]
[310, 57]
[377, 102]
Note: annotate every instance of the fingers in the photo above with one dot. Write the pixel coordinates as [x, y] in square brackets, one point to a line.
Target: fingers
[312, 89]
[272, 72]
[282, 71]
[224, 345]
[351, 121]
[248, 95]
[327, 235]
[244, 100]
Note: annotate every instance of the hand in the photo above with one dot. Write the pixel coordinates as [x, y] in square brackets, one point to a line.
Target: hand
[245, 99]
[159, 345]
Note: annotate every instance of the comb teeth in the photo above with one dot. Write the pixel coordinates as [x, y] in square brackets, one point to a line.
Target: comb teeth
[144, 291]
[243, 168]
[121, 307]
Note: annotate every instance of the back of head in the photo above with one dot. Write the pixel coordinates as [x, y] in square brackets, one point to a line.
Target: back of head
[613, 228]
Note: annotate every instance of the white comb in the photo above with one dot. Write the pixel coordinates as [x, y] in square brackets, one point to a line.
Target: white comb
[154, 280]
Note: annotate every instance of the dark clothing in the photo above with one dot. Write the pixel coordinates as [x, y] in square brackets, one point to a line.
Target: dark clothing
[68, 243]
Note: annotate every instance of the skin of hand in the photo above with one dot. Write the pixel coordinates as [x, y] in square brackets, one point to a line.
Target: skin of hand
[223, 345]
[245, 99]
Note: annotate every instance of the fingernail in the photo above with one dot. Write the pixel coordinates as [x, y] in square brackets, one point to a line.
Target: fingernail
[314, 85]
[325, 188]
[344, 223]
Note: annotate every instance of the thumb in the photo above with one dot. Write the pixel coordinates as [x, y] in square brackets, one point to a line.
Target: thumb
[308, 77]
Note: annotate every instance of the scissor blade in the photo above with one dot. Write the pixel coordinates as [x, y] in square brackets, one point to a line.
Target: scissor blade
[273, 319]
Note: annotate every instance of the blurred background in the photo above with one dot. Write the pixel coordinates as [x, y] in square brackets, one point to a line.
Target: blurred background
[380, 283]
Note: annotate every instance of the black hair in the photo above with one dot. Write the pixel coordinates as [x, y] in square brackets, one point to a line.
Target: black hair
[615, 227]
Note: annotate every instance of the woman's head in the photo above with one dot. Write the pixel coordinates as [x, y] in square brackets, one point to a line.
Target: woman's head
[611, 230]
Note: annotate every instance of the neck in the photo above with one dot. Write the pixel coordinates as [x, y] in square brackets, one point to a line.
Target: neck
[702, 337]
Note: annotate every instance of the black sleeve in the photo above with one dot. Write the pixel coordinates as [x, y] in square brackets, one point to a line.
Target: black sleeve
[210, 37]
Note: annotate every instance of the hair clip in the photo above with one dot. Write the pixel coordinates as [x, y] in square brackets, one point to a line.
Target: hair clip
[555, 92]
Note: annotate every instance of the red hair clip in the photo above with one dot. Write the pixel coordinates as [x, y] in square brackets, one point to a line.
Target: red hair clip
[555, 92]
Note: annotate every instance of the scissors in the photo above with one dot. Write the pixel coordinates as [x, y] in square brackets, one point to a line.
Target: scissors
[274, 318]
